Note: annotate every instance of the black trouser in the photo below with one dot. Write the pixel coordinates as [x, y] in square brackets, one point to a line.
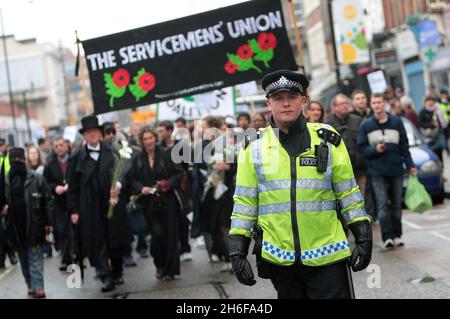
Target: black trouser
[164, 245]
[115, 255]
[5, 244]
[369, 197]
[303, 282]
[65, 245]
[64, 237]
[184, 234]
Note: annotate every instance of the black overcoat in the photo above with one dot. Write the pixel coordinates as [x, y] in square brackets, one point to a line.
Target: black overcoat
[92, 204]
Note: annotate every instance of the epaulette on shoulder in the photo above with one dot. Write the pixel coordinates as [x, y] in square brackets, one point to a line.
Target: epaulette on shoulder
[251, 138]
[329, 136]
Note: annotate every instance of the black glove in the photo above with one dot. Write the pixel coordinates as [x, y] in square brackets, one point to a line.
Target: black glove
[238, 253]
[363, 250]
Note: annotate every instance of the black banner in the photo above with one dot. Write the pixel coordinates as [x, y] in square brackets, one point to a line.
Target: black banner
[188, 56]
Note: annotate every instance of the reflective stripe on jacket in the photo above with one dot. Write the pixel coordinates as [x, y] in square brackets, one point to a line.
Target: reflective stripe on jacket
[293, 203]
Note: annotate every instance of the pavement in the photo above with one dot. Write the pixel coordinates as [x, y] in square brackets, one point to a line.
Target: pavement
[419, 270]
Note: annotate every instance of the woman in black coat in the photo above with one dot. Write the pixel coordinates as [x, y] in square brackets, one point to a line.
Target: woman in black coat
[154, 176]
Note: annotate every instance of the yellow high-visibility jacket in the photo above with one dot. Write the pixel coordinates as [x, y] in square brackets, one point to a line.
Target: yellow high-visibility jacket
[293, 203]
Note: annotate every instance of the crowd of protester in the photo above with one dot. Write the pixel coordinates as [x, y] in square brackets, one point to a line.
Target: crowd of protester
[170, 204]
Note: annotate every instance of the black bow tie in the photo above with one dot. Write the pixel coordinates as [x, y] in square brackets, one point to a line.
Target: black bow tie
[93, 151]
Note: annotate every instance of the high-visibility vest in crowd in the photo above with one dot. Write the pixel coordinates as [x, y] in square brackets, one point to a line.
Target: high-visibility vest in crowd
[293, 203]
[445, 108]
[7, 167]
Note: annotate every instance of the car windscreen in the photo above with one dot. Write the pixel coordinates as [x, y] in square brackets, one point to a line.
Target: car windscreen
[413, 135]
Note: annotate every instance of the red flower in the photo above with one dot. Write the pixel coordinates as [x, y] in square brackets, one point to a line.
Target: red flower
[121, 78]
[245, 52]
[146, 81]
[230, 67]
[267, 41]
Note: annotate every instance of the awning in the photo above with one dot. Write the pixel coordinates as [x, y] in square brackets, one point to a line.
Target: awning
[441, 63]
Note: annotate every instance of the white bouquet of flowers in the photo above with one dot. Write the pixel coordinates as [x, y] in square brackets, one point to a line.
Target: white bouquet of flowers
[124, 154]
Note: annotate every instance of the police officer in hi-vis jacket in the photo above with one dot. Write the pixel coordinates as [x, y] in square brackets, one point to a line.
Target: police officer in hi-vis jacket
[293, 180]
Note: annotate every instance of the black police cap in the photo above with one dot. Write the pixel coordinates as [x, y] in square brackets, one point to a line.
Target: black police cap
[284, 80]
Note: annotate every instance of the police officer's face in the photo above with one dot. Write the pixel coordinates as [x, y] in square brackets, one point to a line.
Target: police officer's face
[286, 106]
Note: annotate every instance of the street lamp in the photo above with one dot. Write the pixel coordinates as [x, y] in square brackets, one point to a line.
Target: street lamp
[8, 76]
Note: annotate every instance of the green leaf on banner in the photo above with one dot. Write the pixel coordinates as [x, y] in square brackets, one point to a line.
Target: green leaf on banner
[137, 92]
[140, 72]
[235, 59]
[112, 90]
[254, 46]
[135, 89]
[265, 57]
[245, 65]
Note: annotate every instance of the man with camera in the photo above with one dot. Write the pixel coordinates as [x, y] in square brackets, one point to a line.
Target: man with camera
[383, 142]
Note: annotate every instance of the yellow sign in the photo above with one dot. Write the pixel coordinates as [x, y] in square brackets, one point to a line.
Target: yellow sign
[143, 117]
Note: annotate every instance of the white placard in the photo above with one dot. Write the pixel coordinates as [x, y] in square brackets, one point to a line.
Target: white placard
[248, 89]
[377, 82]
[70, 133]
[407, 46]
[218, 103]
[36, 134]
[205, 100]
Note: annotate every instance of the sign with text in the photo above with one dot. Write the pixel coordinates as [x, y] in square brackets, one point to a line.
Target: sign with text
[429, 34]
[377, 82]
[190, 108]
[188, 56]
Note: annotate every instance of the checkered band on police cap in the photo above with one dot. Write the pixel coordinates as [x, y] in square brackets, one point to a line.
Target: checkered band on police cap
[284, 80]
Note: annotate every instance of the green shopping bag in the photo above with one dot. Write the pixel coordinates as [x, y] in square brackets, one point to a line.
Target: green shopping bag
[417, 198]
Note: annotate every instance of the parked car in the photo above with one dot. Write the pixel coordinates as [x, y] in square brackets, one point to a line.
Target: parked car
[429, 167]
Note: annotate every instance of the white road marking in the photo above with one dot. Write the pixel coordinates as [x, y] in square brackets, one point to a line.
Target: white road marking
[412, 225]
[7, 272]
[440, 235]
[434, 233]
[438, 226]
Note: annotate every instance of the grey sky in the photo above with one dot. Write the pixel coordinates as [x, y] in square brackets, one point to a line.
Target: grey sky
[57, 20]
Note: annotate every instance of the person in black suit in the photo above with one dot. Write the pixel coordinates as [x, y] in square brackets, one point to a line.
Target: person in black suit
[90, 177]
[55, 173]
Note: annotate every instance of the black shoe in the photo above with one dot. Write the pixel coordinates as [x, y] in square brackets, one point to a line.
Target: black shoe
[168, 278]
[2, 265]
[108, 285]
[129, 262]
[13, 259]
[63, 266]
[159, 274]
[118, 280]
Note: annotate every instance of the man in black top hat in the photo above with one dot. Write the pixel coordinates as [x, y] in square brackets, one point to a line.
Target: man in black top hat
[90, 190]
